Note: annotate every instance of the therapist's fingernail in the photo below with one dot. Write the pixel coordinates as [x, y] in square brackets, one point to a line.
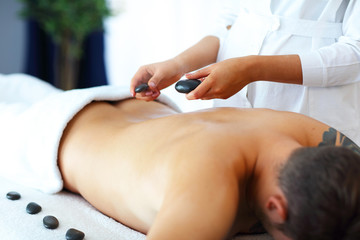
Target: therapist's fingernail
[190, 96]
[152, 85]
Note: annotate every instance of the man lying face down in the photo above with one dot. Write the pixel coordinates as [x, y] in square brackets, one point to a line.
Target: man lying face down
[215, 173]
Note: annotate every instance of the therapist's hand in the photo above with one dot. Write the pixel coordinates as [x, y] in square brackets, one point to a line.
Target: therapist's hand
[222, 79]
[158, 76]
[161, 75]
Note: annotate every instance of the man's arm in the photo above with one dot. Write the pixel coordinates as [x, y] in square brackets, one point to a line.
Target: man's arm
[332, 137]
[200, 204]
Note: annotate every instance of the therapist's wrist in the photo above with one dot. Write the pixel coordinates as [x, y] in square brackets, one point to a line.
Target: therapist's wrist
[181, 64]
[251, 68]
[200, 55]
[277, 68]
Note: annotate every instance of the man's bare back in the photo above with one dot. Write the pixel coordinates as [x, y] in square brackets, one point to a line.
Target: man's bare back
[191, 176]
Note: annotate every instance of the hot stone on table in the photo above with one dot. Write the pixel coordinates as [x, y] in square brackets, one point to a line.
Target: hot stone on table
[74, 234]
[33, 208]
[50, 222]
[13, 195]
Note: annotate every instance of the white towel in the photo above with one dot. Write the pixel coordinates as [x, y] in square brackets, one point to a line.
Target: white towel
[33, 116]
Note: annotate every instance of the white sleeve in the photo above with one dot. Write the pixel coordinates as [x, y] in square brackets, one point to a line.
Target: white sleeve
[227, 16]
[339, 63]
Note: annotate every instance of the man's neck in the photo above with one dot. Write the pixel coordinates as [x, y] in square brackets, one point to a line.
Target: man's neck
[264, 184]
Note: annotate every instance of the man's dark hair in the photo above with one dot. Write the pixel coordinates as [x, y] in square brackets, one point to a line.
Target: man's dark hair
[322, 187]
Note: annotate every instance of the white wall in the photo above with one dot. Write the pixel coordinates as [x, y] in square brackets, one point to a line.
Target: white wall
[148, 31]
[12, 37]
[145, 31]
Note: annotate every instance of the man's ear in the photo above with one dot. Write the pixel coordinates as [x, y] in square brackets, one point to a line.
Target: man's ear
[276, 208]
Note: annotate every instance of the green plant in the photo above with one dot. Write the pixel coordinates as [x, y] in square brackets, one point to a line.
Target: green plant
[68, 22]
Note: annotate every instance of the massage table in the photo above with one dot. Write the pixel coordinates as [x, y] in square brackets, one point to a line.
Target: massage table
[70, 209]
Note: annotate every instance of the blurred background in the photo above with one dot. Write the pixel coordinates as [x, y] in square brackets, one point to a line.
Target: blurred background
[136, 32]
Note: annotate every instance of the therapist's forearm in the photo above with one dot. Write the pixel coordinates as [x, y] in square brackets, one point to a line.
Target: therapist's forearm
[201, 54]
[280, 68]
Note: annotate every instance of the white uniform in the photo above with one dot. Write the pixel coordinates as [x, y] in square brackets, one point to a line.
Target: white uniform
[326, 36]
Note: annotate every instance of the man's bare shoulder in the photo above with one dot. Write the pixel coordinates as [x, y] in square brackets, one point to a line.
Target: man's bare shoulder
[332, 137]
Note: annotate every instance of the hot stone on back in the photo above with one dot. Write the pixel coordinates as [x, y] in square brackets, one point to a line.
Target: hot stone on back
[141, 87]
[186, 86]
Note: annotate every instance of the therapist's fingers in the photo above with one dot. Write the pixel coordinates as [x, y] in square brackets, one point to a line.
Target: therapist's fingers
[147, 95]
[199, 74]
[154, 82]
[200, 91]
[140, 77]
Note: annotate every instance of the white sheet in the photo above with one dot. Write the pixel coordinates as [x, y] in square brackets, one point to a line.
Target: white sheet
[71, 210]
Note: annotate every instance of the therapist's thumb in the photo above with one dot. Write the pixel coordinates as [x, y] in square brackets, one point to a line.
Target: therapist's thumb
[154, 82]
[198, 74]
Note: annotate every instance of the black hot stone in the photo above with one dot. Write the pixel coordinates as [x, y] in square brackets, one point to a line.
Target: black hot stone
[13, 195]
[186, 86]
[50, 222]
[33, 208]
[141, 87]
[74, 234]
